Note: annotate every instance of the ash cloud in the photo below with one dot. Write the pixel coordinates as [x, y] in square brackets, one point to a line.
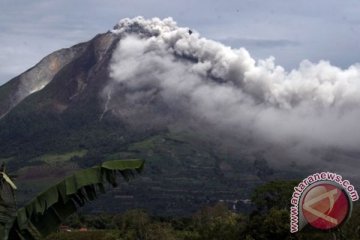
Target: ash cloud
[315, 106]
[259, 43]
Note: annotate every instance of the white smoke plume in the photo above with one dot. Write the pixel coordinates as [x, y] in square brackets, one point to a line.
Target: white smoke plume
[314, 106]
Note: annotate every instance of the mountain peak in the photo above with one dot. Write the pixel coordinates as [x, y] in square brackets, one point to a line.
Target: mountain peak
[146, 27]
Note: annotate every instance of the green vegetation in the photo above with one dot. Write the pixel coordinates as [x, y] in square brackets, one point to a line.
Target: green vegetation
[6, 160]
[49, 209]
[92, 235]
[36, 136]
[55, 158]
[146, 144]
[214, 222]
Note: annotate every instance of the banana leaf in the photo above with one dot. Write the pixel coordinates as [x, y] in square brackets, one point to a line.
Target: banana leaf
[49, 209]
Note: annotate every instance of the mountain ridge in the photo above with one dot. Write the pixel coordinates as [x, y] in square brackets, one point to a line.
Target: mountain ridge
[35, 78]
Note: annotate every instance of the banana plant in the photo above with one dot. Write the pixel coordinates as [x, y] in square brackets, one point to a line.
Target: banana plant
[44, 214]
[7, 203]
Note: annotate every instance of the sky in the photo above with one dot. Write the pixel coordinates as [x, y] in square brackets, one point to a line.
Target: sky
[291, 31]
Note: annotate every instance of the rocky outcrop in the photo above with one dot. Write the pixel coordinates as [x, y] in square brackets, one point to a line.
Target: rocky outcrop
[37, 77]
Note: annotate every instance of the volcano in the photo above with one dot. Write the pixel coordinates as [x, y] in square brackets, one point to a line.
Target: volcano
[186, 105]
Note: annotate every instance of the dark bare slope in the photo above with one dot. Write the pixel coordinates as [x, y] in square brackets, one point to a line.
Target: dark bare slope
[58, 117]
[37, 77]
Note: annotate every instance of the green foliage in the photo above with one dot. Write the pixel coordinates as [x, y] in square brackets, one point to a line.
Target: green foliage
[351, 229]
[270, 220]
[213, 222]
[45, 213]
[160, 231]
[218, 223]
[134, 223]
[54, 158]
[137, 224]
[146, 144]
[272, 225]
[100, 221]
[275, 194]
[90, 235]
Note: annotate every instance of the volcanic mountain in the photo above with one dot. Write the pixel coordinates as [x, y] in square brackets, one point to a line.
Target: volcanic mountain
[192, 108]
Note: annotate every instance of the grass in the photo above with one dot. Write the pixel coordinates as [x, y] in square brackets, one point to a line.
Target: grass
[146, 145]
[90, 235]
[6, 160]
[57, 158]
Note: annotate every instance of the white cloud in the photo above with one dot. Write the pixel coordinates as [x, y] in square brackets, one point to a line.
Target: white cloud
[316, 106]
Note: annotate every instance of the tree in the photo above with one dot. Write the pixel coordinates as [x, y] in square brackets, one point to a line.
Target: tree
[134, 224]
[275, 194]
[45, 212]
[270, 220]
[218, 222]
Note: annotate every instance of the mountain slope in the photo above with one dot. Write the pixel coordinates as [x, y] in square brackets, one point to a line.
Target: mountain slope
[69, 103]
[36, 78]
[100, 100]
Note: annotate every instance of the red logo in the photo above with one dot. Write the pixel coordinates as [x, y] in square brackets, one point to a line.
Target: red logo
[325, 206]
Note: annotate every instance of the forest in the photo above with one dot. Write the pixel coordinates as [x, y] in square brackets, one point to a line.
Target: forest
[269, 219]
